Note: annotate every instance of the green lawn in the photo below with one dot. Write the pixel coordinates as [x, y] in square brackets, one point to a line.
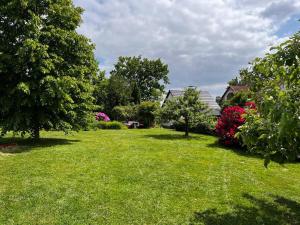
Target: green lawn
[142, 177]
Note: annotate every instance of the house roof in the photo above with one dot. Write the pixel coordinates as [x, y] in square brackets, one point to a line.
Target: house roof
[239, 88]
[205, 97]
[235, 89]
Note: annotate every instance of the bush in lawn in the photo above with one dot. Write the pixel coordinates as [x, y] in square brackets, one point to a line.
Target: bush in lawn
[201, 125]
[147, 113]
[114, 125]
[125, 113]
[228, 124]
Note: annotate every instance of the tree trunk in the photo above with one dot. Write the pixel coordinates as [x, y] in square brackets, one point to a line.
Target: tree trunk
[36, 133]
[186, 127]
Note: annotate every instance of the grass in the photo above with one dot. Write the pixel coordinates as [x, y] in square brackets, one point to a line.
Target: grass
[142, 177]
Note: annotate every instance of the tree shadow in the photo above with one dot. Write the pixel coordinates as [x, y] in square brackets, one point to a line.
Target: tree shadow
[279, 211]
[17, 145]
[237, 150]
[171, 137]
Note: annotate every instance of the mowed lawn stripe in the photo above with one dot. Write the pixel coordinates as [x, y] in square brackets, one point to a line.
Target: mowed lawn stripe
[151, 176]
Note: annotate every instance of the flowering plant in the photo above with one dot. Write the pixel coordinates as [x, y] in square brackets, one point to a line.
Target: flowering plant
[229, 123]
[250, 105]
[100, 116]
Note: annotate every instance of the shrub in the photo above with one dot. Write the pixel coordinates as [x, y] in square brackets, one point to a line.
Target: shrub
[228, 124]
[203, 125]
[100, 116]
[125, 113]
[147, 113]
[114, 125]
[274, 81]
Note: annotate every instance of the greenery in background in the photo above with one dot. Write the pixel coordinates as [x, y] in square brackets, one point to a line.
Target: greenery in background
[46, 67]
[275, 81]
[146, 77]
[201, 124]
[113, 125]
[133, 80]
[237, 81]
[118, 93]
[100, 84]
[125, 113]
[187, 108]
[238, 99]
[151, 176]
[147, 112]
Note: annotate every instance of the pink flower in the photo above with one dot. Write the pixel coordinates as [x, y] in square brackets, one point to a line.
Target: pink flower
[100, 116]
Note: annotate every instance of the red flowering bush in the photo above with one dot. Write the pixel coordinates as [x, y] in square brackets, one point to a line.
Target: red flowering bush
[228, 124]
[250, 105]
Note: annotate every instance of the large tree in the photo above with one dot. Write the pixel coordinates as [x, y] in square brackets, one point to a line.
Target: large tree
[146, 77]
[274, 130]
[187, 107]
[46, 67]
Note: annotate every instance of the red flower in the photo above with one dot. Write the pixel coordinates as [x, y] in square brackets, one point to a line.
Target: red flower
[228, 124]
[250, 105]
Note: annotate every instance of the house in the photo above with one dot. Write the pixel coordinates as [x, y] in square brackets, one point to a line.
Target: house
[205, 97]
[231, 90]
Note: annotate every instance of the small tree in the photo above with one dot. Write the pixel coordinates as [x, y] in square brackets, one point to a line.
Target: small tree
[186, 107]
[147, 112]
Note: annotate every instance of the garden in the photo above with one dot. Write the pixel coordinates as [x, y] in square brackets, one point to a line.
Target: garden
[81, 146]
[138, 176]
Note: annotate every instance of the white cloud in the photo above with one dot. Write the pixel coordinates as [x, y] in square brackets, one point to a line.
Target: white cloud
[204, 42]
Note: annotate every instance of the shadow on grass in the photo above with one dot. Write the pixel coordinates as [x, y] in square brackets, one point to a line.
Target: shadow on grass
[279, 211]
[171, 137]
[18, 145]
[239, 151]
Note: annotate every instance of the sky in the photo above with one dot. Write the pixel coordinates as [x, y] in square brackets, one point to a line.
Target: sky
[204, 42]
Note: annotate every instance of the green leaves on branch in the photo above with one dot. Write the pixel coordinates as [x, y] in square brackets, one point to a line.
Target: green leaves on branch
[275, 81]
[46, 67]
[187, 107]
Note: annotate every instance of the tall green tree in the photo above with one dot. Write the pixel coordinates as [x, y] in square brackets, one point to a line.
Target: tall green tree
[46, 67]
[149, 76]
[187, 107]
[118, 93]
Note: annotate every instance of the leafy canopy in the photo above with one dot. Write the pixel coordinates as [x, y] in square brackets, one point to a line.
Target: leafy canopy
[188, 107]
[146, 77]
[275, 81]
[46, 67]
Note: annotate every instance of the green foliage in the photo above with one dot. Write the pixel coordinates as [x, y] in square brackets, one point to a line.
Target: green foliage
[125, 113]
[147, 113]
[201, 124]
[146, 77]
[237, 81]
[238, 99]
[46, 67]
[118, 93]
[275, 81]
[114, 125]
[100, 84]
[187, 107]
